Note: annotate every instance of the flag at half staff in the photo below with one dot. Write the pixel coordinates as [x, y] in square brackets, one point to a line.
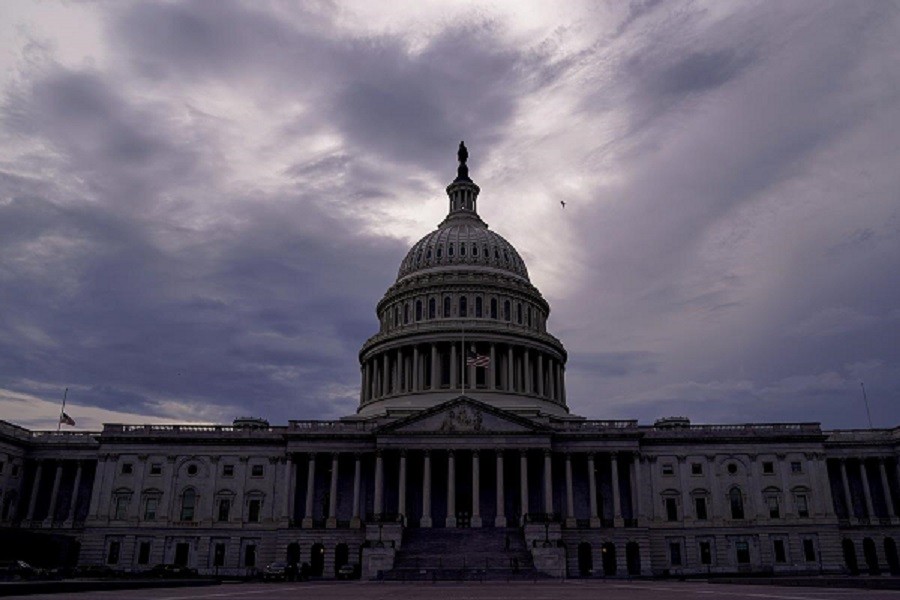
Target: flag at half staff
[473, 359]
[66, 419]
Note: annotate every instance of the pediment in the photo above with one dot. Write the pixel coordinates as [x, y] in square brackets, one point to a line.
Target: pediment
[463, 416]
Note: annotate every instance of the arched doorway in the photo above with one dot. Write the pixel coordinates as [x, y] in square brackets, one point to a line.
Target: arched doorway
[585, 559]
[871, 556]
[293, 554]
[850, 556]
[890, 553]
[608, 550]
[633, 558]
[341, 557]
[317, 560]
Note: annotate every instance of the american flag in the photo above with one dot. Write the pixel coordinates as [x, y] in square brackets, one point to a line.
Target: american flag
[477, 360]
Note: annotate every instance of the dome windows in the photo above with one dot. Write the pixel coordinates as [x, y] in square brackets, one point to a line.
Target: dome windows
[462, 249]
[446, 307]
[463, 306]
[419, 311]
[450, 250]
[506, 310]
[431, 308]
[493, 308]
[428, 253]
[474, 250]
[479, 307]
[439, 252]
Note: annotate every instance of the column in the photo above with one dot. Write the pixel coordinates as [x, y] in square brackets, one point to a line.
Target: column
[867, 492]
[523, 483]
[548, 483]
[310, 490]
[492, 370]
[562, 383]
[557, 387]
[435, 382]
[713, 478]
[399, 380]
[54, 494]
[331, 523]
[888, 499]
[540, 373]
[379, 485]
[291, 479]
[362, 384]
[401, 491]
[385, 375]
[636, 487]
[850, 513]
[454, 368]
[73, 502]
[368, 381]
[426, 491]
[94, 508]
[526, 371]
[500, 520]
[357, 476]
[570, 496]
[476, 490]
[510, 370]
[617, 500]
[134, 507]
[592, 491]
[34, 490]
[451, 490]
[415, 370]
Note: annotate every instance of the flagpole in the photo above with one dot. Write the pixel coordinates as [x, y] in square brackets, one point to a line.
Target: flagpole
[463, 357]
[866, 400]
[62, 411]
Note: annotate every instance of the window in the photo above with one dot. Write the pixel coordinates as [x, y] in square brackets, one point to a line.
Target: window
[671, 509]
[463, 306]
[479, 308]
[428, 254]
[112, 556]
[188, 503]
[250, 555]
[143, 553]
[406, 314]
[705, 553]
[768, 468]
[228, 470]
[732, 468]
[446, 307]
[737, 503]
[778, 550]
[462, 249]
[796, 467]
[418, 310]
[700, 508]
[528, 311]
[696, 468]
[121, 507]
[450, 250]
[493, 308]
[150, 507]
[224, 509]
[256, 471]
[802, 505]
[675, 554]
[668, 469]
[474, 249]
[253, 511]
[219, 555]
[507, 312]
[519, 313]
[772, 505]
[809, 550]
[743, 552]
[396, 316]
[192, 469]
[127, 468]
[156, 468]
[439, 252]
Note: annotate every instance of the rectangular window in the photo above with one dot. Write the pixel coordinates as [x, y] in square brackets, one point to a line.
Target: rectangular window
[150, 509]
[796, 467]
[228, 470]
[219, 555]
[774, 508]
[156, 468]
[809, 550]
[671, 509]
[700, 508]
[778, 549]
[224, 509]
[668, 469]
[743, 552]
[112, 557]
[768, 468]
[256, 471]
[802, 505]
[705, 553]
[250, 555]
[127, 468]
[253, 511]
[675, 554]
[121, 507]
[144, 553]
[696, 468]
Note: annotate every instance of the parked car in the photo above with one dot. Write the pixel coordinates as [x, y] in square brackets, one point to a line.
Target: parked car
[15, 570]
[170, 571]
[277, 571]
[95, 571]
[349, 571]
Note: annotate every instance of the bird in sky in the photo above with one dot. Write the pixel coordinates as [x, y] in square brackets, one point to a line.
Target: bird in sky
[563, 202]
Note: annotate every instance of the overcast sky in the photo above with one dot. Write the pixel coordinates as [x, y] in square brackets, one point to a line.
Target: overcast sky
[202, 202]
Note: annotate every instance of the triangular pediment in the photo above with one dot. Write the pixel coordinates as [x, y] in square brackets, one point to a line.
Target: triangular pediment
[463, 416]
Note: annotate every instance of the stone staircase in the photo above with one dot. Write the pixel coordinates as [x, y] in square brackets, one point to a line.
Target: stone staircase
[463, 554]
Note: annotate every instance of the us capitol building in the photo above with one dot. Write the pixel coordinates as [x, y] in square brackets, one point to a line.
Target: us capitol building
[463, 457]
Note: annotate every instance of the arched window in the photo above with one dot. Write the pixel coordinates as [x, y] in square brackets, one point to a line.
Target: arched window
[462, 249]
[529, 316]
[493, 308]
[428, 254]
[396, 316]
[474, 249]
[486, 255]
[432, 310]
[737, 503]
[506, 310]
[406, 313]
[479, 308]
[519, 313]
[188, 504]
[463, 306]
[450, 250]
[446, 307]
[418, 310]
[439, 252]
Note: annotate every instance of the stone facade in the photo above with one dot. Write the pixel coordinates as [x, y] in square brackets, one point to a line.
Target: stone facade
[440, 443]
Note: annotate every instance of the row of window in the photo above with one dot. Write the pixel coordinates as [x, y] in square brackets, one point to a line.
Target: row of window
[188, 507]
[741, 552]
[768, 468]
[429, 255]
[404, 313]
[192, 469]
[736, 505]
[13, 471]
[182, 551]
